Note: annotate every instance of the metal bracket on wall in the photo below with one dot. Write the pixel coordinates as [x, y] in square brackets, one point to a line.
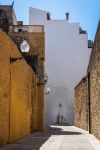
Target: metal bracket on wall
[13, 59]
[42, 83]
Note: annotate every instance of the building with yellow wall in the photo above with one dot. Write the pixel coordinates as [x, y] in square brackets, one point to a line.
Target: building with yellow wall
[34, 35]
[15, 93]
[22, 88]
[22, 82]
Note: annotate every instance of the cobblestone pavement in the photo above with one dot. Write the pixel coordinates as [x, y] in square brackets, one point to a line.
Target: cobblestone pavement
[57, 138]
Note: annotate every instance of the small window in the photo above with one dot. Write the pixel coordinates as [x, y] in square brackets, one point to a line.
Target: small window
[48, 16]
[19, 30]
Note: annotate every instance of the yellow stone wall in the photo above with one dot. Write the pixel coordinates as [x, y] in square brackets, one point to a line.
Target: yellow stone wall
[41, 91]
[41, 108]
[20, 104]
[37, 48]
[4, 88]
[34, 103]
[22, 95]
[15, 93]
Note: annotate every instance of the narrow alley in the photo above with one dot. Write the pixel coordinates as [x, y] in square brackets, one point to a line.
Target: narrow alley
[49, 75]
[57, 138]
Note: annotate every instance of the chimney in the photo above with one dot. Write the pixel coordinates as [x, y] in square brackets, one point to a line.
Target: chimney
[67, 16]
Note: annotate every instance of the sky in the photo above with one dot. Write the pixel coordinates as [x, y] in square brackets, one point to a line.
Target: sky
[86, 12]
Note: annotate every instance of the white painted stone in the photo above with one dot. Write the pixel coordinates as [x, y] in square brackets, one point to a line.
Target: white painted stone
[67, 57]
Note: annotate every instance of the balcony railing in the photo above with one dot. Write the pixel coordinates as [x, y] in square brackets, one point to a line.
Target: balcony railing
[27, 28]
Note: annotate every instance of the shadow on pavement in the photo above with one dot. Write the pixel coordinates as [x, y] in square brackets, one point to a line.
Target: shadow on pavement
[36, 140]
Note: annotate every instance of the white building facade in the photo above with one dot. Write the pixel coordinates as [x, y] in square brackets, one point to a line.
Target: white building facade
[67, 57]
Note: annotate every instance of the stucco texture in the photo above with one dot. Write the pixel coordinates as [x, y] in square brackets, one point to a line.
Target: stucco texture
[37, 48]
[15, 93]
[20, 107]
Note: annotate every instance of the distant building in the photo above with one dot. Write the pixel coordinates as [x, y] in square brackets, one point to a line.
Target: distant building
[87, 93]
[67, 57]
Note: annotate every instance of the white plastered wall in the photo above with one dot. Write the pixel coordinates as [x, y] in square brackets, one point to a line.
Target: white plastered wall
[67, 57]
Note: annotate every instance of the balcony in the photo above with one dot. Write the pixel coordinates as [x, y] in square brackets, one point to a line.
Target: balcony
[27, 28]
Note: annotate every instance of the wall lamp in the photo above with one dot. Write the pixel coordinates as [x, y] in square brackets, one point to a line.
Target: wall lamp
[48, 90]
[24, 49]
